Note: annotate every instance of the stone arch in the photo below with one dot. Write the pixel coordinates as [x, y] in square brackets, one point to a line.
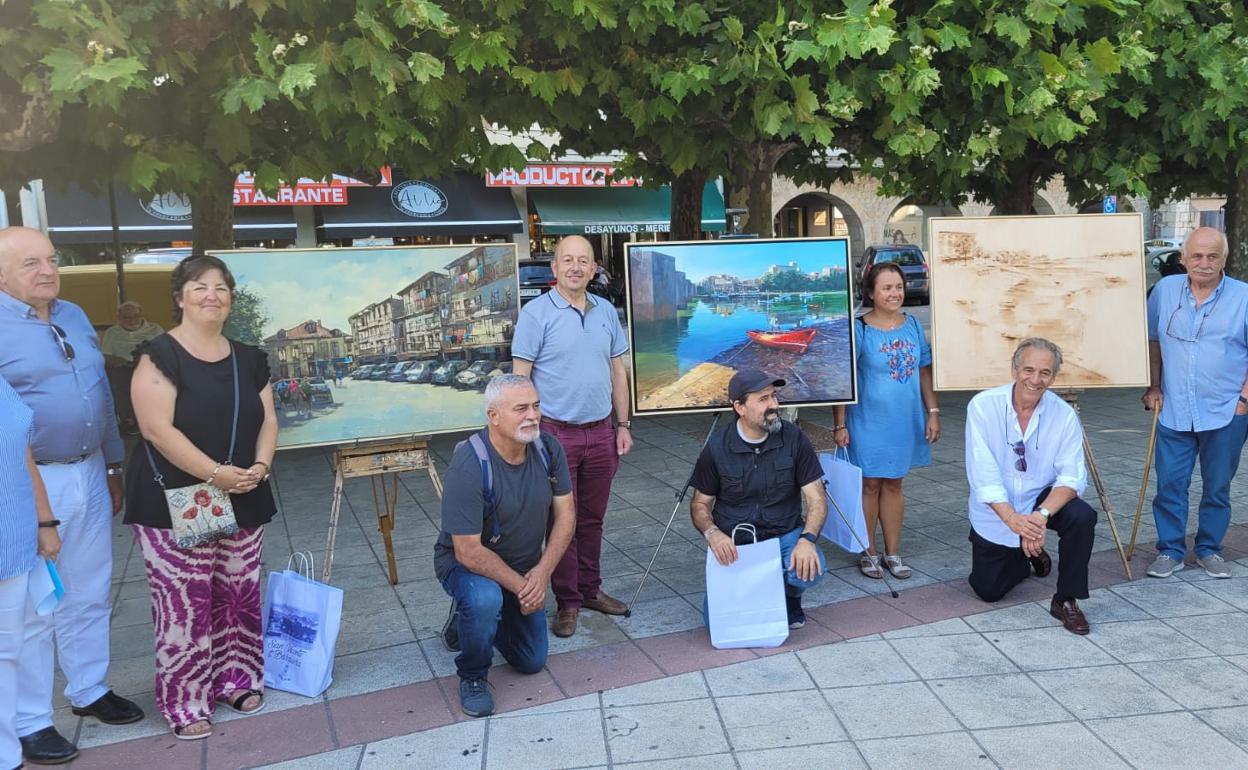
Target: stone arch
[1040, 205]
[907, 223]
[860, 199]
[806, 208]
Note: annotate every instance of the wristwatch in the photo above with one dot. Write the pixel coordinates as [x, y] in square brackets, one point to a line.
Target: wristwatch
[625, 424]
[811, 536]
[1045, 512]
[1243, 400]
[117, 471]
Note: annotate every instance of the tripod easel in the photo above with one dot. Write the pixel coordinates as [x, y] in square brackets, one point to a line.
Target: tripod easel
[381, 463]
[1071, 396]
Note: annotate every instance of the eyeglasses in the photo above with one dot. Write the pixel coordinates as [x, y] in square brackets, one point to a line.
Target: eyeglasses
[1179, 336]
[59, 335]
[1020, 449]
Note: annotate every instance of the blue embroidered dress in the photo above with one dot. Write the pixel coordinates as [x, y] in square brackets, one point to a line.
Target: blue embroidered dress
[887, 425]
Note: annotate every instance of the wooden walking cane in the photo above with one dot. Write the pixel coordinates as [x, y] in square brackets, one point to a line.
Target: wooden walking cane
[1148, 466]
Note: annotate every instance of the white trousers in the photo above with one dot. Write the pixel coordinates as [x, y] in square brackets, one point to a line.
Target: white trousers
[13, 602]
[79, 497]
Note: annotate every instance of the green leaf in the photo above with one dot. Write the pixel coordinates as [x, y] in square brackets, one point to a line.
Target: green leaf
[801, 50]
[425, 66]
[1013, 29]
[296, 78]
[733, 29]
[1103, 57]
[142, 169]
[1051, 64]
[66, 67]
[252, 92]
[878, 38]
[805, 102]
[950, 36]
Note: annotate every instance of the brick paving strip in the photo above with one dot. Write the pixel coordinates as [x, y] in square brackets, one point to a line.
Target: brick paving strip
[375, 703]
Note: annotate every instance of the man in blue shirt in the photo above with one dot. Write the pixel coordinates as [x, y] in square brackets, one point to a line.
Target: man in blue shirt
[572, 346]
[1198, 356]
[50, 355]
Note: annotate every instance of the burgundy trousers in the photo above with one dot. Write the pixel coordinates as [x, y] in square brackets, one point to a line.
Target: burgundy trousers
[592, 462]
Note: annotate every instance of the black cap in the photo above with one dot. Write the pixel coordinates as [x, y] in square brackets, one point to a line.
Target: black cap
[748, 381]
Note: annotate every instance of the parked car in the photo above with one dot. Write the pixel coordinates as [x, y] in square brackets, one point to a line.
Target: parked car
[913, 266]
[477, 372]
[362, 372]
[1151, 248]
[1164, 262]
[502, 368]
[445, 373]
[398, 372]
[536, 278]
[380, 371]
[319, 391]
[420, 372]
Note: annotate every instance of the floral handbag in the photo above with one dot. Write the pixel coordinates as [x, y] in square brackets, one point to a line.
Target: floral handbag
[201, 513]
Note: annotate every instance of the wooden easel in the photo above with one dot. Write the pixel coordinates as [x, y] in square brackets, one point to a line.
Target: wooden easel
[1071, 396]
[381, 463]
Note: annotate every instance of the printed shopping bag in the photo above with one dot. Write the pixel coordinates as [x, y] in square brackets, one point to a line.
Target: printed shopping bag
[302, 618]
[745, 600]
[842, 482]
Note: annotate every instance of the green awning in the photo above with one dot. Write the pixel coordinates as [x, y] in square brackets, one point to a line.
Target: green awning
[617, 210]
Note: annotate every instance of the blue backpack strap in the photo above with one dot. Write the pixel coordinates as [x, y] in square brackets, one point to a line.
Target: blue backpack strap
[477, 442]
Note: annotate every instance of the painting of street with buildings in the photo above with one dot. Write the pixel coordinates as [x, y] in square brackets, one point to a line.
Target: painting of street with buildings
[701, 311]
[371, 343]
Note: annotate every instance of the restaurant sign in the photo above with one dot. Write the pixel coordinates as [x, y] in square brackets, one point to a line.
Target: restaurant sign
[559, 175]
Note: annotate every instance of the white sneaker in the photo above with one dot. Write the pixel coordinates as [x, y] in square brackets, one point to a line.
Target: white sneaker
[1164, 566]
[1215, 566]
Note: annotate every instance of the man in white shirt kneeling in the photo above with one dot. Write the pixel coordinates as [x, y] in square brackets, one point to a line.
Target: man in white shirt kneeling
[1025, 465]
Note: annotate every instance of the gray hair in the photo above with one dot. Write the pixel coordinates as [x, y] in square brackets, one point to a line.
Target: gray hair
[1226, 246]
[1042, 344]
[495, 387]
[130, 305]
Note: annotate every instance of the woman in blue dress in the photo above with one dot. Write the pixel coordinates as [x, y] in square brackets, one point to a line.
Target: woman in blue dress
[891, 428]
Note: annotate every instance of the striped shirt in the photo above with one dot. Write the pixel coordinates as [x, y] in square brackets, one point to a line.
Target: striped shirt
[18, 530]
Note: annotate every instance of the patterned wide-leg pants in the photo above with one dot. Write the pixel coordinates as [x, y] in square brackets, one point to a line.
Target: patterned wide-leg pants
[206, 611]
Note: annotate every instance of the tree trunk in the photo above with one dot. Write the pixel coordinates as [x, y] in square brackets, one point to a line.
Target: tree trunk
[1020, 195]
[761, 159]
[687, 205]
[1237, 225]
[213, 209]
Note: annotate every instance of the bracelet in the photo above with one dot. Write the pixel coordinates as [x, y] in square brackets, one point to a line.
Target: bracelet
[212, 475]
[839, 427]
[625, 424]
[707, 534]
[267, 468]
[934, 410]
[50, 523]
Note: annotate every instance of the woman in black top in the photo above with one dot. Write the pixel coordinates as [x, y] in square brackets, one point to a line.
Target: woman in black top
[206, 597]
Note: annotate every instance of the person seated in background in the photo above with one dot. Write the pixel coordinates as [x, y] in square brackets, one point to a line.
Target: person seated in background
[1025, 466]
[489, 556]
[117, 345]
[758, 470]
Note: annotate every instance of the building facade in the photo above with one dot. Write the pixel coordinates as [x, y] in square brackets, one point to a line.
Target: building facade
[377, 329]
[309, 349]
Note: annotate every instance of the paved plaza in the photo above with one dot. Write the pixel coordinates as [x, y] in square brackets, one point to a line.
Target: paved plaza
[935, 678]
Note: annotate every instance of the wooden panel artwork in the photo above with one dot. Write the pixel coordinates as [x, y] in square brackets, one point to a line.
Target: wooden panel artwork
[1076, 280]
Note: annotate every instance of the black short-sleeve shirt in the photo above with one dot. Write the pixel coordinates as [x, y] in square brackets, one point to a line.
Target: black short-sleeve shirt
[523, 493]
[204, 411]
[759, 484]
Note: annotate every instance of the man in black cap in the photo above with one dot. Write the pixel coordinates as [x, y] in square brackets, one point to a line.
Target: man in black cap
[757, 471]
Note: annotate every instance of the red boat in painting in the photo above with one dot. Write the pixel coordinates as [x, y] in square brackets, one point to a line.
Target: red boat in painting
[796, 341]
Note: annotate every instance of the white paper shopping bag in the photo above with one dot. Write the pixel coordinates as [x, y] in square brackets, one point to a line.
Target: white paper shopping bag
[843, 485]
[745, 600]
[44, 587]
[302, 618]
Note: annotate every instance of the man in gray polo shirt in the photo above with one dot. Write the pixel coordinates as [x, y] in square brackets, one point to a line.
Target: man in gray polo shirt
[571, 344]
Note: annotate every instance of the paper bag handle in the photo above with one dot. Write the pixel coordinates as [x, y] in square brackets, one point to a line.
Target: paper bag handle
[841, 453]
[748, 527]
[307, 563]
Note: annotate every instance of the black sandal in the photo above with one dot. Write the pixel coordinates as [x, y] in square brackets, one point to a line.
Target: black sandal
[236, 703]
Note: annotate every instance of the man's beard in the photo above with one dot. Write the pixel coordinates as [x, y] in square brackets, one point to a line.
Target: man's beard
[527, 435]
[770, 421]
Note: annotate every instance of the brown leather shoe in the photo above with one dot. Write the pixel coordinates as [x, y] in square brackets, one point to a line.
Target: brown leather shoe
[607, 605]
[1042, 565]
[1071, 616]
[565, 623]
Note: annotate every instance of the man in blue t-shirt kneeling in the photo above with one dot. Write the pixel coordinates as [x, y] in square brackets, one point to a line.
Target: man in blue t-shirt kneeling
[506, 488]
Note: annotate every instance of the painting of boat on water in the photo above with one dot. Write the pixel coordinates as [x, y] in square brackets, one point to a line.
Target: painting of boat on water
[700, 311]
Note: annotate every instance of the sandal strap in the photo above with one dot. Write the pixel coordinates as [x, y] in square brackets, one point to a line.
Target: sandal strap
[241, 698]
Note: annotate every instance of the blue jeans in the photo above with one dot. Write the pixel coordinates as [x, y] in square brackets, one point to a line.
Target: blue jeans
[1177, 452]
[490, 617]
[793, 585]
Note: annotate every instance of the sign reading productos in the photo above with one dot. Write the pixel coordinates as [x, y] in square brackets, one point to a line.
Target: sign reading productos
[559, 175]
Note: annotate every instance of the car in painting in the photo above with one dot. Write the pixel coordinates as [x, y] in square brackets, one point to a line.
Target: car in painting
[913, 267]
[398, 372]
[536, 278]
[476, 372]
[421, 371]
[502, 368]
[318, 391]
[362, 372]
[445, 374]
